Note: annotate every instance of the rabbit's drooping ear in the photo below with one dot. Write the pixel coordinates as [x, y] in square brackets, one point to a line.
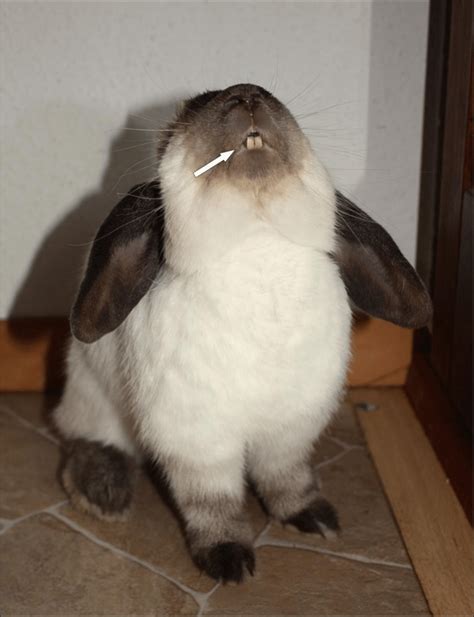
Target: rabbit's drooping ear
[378, 279]
[123, 263]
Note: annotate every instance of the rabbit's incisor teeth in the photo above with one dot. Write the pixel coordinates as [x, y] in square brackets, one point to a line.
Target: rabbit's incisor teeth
[254, 142]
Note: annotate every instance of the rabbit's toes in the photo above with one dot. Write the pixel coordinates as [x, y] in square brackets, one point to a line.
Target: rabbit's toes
[319, 517]
[98, 479]
[226, 561]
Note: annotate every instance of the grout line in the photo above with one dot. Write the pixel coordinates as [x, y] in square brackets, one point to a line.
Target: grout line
[8, 523]
[261, 540]
[335, 458]
[338, 442]
[256, 542]
[203, 604]
[344, 444]
[43, 430]
[347, 556]
[199, 597]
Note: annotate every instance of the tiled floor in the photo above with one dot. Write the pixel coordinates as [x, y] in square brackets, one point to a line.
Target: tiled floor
[55, 561]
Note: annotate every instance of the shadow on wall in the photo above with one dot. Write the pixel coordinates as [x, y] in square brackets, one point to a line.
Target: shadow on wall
[58, 261]
[60, 257]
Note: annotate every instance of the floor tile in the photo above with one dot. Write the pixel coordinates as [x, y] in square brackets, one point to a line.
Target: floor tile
[28, 470]
[344, 426]
[295, 582]
[152, 533]
[325, 450]
[32, 407]
[368, 528]
[48, 569]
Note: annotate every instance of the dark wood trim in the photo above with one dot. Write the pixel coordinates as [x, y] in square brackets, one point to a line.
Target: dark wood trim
[451, 182]
[461, 375]
[448, 436]
[433, 126]
[441, 355]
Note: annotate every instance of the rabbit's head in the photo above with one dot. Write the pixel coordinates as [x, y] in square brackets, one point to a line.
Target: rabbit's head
[270, 151]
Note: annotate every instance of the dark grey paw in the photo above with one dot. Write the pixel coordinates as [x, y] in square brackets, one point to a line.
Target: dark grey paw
[226, 561]
[319, 517]
[98, 478]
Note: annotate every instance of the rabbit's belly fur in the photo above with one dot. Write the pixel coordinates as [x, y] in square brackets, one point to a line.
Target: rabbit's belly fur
[245, 352]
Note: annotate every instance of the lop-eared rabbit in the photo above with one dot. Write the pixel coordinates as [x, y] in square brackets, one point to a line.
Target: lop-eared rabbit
[211, 331]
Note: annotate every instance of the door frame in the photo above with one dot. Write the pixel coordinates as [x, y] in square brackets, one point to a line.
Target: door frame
[447, 96]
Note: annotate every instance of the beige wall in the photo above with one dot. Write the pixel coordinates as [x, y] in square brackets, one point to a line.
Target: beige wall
[74, 75]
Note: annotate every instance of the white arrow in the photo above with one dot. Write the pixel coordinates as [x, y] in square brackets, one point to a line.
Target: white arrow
[223, 156]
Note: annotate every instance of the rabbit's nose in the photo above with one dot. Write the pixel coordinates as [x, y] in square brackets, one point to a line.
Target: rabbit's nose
[246, 95]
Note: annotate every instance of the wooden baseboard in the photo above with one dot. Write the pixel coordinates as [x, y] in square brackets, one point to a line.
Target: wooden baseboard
[434, 527]
[450, 439]
[32, 353]
[381, 353]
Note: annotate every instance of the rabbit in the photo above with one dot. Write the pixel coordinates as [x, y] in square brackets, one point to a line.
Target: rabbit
[211, 331]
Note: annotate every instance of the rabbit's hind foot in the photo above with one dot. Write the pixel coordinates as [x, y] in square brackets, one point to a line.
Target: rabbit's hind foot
[98, 479]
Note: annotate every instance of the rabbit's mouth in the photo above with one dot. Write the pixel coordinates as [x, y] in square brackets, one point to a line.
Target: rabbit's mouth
[256, 141]
[260, 150]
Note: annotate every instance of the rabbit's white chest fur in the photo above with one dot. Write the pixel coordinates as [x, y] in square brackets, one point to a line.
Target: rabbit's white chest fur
[243, 347]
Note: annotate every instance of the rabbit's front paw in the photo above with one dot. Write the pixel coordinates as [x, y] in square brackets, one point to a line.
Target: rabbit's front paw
[226, 561]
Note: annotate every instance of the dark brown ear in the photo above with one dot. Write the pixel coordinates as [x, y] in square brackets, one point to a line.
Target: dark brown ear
[378, 279]
[123, 263]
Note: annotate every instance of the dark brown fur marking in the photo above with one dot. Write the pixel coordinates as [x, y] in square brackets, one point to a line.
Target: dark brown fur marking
[318, 517]
[226, 561]
[98, 478]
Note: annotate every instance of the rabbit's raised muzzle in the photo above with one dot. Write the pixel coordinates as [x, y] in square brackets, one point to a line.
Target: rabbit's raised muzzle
[247, 119]
[247, 115]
